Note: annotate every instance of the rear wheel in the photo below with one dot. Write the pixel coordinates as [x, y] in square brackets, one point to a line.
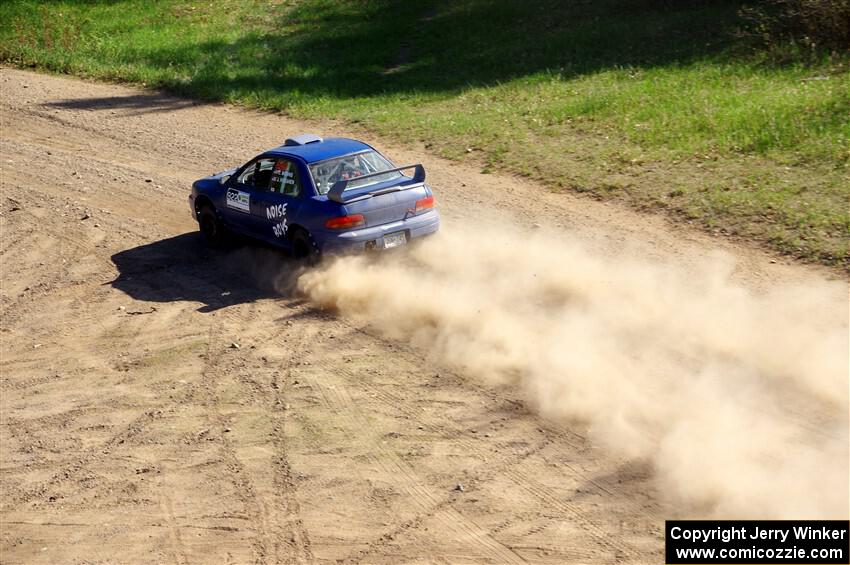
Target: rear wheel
[211, 227]
[304, 248]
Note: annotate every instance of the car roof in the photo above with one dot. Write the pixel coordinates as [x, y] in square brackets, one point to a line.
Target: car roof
[320, 150]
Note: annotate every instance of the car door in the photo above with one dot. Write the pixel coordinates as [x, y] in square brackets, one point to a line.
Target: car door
[242, 194]
[277, 200]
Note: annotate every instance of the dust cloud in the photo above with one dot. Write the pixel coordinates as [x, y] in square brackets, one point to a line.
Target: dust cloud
[738, 400]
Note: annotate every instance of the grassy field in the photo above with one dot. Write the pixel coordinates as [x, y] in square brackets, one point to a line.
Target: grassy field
[650, 101]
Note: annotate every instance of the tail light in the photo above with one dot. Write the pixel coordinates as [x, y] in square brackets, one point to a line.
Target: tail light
[345, 222]
[423, 204]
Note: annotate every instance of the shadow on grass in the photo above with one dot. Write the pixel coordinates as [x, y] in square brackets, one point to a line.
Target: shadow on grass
[356, 49]
[183, 268]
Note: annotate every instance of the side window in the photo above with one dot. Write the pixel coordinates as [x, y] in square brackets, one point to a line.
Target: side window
[247, 176]
[285, 179]
[259, 174]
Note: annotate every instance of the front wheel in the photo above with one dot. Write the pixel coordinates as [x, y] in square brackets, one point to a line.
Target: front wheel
[211, 227]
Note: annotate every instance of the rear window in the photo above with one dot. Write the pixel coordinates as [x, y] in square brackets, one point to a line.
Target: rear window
[327, 173]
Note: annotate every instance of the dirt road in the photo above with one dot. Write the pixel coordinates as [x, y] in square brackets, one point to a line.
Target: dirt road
[163, 403]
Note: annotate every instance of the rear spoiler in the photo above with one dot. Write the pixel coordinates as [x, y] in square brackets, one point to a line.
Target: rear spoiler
[337, 190]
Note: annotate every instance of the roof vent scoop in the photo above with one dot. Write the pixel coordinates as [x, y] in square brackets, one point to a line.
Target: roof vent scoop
[302, 139]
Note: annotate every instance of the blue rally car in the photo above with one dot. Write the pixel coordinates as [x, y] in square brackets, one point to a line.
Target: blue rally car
[317, 196]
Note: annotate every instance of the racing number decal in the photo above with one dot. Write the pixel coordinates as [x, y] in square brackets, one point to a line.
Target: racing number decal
[239, 200]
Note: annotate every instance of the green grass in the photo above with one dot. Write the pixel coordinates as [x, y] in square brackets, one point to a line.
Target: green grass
[648, 101]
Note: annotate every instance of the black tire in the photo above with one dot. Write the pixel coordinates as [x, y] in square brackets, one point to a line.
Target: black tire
[211, 227]
[304, 248]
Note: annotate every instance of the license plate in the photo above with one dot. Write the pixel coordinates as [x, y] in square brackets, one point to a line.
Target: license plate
[394, 240]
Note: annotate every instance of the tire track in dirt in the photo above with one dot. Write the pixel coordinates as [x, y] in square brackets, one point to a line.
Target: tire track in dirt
[422, 495]
[506, 465]
[127, 149]
[291, 541]
[570, 437]
[62, 242]
[295, 534]
[283, 479]
[69, 471]
[179, 548]
[208, 397]
[8, 384]
[282, 536]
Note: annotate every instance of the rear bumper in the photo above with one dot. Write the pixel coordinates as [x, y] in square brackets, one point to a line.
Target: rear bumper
[358, 240]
